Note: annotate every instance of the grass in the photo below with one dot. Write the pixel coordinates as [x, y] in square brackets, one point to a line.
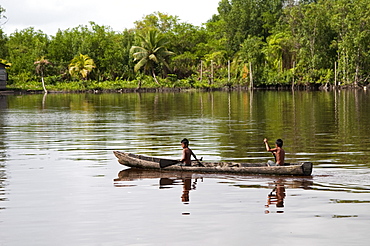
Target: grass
[88, 85]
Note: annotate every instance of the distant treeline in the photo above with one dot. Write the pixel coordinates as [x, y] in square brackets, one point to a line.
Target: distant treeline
[275, 42]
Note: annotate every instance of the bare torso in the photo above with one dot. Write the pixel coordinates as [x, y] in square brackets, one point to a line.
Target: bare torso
[186, 156]
[279, 155]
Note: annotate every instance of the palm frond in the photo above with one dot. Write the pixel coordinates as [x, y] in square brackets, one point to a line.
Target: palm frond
[140, 64]
[154, 58]
[81, 64]
[152, 51]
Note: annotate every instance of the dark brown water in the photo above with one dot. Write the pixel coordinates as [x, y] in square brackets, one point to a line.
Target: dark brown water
[60, 184]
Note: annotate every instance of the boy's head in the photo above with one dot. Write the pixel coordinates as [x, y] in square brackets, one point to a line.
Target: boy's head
[184, 142]
[279, 143]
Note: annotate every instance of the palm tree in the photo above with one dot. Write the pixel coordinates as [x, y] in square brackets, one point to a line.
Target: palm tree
[152, 52]
[41, 65]
[81, 65]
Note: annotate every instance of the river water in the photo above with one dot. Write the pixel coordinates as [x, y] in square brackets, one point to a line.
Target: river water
[60, 183]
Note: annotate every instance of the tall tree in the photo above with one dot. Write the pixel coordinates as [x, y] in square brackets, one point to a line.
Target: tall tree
[159, 21]
[41, 66]
[110, 50]
[242, 18]
[251, 51]
[25, 47]
[351, 21]
[151, 53]
[184, 39]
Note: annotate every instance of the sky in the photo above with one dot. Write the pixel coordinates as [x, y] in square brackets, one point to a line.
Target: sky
[51, 15]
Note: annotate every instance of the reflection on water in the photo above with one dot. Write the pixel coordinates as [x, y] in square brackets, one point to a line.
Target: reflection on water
[3, 102]
[186, 189]
[276, 196]
[167, 179]
[189, 182]
[329, 129]
[3, 175]
[57, 166]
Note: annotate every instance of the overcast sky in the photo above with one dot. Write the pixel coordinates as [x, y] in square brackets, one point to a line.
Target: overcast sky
[51, 15]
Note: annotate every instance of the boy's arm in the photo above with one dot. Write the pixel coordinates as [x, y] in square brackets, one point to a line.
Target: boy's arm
[269, 149]
[267, 144]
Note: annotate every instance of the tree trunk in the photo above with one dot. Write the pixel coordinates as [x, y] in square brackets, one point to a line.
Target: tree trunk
[201, 70]
[250, 76]
[155, 77]
[335, 74]
[139, 84]
[293, 76]
[43, 84]
[212, 71]
[357, 67]
[228, 71]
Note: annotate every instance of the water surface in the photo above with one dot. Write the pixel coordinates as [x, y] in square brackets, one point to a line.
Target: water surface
[60, 183]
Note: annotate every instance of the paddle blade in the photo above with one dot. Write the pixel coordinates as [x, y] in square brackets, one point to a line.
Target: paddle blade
[166, 163]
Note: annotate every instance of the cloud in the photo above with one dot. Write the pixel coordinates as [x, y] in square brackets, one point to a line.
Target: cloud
[51, 15]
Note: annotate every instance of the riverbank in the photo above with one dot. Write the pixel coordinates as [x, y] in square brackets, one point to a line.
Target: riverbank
[15, 91]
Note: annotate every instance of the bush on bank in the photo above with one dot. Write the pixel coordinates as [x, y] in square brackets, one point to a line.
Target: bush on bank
[147, 82]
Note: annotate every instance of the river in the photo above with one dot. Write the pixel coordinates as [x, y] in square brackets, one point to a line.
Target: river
[60, 183]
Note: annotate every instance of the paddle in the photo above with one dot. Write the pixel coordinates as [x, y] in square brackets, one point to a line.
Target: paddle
[274, 156]
[200, 164]
[166, 163]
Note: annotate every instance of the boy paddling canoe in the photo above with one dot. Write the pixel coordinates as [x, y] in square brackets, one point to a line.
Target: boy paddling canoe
[187, 153]
[278, 152]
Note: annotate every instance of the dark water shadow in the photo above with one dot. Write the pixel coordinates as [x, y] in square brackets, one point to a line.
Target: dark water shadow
[3, 102]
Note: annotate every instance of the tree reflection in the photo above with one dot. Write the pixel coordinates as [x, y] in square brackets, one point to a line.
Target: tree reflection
[3, 107]
[229, 125]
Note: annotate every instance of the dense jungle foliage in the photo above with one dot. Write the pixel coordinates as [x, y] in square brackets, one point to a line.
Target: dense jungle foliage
[276, 42]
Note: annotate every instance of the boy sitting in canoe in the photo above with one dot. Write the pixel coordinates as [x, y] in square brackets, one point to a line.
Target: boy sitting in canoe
[278, 152]
[187, 153]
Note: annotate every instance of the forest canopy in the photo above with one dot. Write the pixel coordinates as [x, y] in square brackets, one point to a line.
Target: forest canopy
[279, 42]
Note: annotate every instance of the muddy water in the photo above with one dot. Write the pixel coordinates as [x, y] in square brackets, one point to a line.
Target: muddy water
[60, 183]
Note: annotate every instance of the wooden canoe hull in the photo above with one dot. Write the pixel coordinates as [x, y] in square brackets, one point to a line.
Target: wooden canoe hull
[147, 162]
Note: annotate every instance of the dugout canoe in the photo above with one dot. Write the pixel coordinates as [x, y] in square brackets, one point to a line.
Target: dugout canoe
[148, 162]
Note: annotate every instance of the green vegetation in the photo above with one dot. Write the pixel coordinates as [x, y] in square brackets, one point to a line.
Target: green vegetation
[152, 52]
[267, 43]
[81, 66]
[41, 66]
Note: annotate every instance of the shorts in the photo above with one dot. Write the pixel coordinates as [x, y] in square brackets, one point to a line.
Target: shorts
[271, 163]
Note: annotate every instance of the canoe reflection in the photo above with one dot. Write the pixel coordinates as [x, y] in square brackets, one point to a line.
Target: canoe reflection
[167, 179]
